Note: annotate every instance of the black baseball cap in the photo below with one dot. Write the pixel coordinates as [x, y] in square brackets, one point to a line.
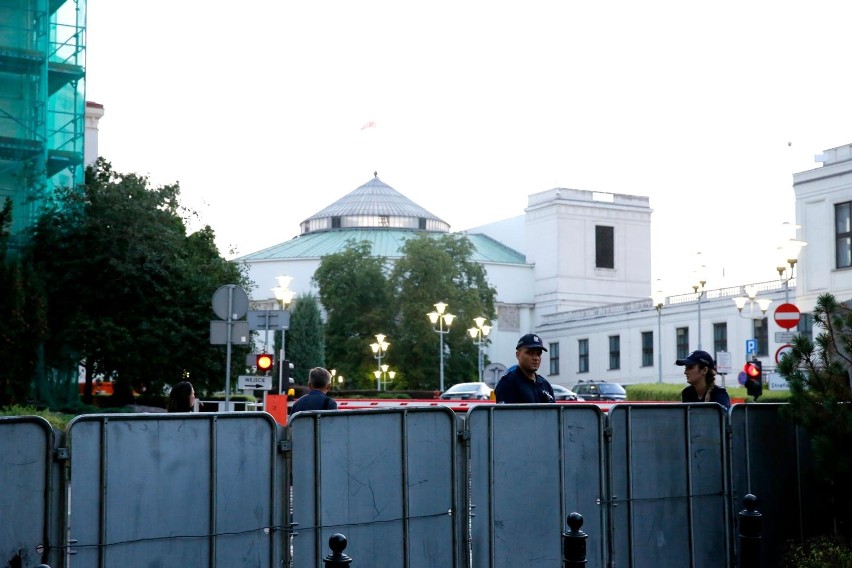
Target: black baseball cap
[697, 357]
[530, 341]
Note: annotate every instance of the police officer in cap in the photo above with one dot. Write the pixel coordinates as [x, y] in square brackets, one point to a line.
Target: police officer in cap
[522, 384]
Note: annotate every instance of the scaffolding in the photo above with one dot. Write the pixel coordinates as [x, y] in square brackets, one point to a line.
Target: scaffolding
[42, 102]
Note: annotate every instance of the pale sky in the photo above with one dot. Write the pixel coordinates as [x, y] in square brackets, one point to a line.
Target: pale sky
[256, 109]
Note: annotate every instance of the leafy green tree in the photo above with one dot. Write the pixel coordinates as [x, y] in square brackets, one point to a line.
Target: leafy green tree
[130, 292]
[821, 398]
[355, 294]
[23, 315]
[305, 337]
[437, 269]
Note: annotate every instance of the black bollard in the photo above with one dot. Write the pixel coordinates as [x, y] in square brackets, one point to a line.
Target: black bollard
[337, 543]
[574, 543]
[751, 525]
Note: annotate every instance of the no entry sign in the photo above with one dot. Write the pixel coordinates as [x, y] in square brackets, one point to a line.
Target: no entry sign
[787, 316]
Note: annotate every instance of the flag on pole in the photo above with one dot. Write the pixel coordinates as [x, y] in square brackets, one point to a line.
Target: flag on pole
[371, 124]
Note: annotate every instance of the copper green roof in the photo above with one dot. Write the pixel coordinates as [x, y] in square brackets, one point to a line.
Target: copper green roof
[384, 242]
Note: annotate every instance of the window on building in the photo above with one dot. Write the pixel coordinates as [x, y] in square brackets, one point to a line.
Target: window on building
[614, 352]
[647, 348]
[604, 247]
[761, 334]
[421, 223]
[583, 356]
[553, 355]
[843, 234]
[682, 342]
[335, 222]
[384, 221]
[806, 326]
[720, 337]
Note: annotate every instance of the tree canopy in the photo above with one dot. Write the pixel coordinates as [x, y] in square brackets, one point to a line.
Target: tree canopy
[129, 293]
[305, 342]
[438, 269]
[363, 296]
[354, 292]
[818, 373]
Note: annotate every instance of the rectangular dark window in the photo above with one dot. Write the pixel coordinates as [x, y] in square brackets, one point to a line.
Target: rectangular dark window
[647, 348]
[806, 326]
[761, 334]
[614, 352]
[335, 222]
[604, 247]
[682, 342]
[553, 355]
[421, 223]
[583, 356]
[843, 234]
[720, 337]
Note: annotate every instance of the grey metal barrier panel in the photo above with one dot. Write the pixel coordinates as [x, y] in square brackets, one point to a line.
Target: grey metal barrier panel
[670, 490]
[178, 489]
[771, 458]
[29, 507]
[530, 466]
[384, 478]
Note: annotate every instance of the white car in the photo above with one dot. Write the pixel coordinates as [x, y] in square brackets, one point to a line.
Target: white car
[564, 393]
[467, 391]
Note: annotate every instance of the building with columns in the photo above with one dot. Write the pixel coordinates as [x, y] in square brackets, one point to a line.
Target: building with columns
[576, 269]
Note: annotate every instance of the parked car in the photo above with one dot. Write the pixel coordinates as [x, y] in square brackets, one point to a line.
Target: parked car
[467, 391]
[564, 393]
[600, 390]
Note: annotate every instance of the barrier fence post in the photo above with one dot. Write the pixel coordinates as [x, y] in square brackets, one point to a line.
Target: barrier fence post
[574, 543]
[751, 525]
[337, 543]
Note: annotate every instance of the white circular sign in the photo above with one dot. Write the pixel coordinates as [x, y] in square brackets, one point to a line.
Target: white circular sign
[781, 351]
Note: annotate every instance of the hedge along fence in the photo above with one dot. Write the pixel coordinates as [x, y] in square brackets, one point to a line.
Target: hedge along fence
[670, 392]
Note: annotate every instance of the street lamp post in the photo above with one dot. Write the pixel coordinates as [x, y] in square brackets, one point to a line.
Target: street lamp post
[284, 295]
[659, 301]
[788, 255]
[478, 334]
[438, 316]
[379, 348]
[698, 287]
[751, 299]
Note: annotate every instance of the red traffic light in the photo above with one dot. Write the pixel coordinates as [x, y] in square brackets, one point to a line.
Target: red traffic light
[264, 362]
[752, 370]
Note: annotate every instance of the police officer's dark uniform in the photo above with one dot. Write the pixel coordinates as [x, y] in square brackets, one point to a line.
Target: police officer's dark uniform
[515, 387]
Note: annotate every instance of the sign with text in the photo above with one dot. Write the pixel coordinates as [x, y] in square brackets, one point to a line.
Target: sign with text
[723, 362]
[254, 382]
[784, 336]
[777, 383]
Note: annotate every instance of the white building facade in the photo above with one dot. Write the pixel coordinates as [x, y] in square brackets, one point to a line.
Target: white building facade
[584, 284]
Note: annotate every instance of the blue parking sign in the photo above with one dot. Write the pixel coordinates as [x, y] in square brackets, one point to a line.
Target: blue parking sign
[751, 346]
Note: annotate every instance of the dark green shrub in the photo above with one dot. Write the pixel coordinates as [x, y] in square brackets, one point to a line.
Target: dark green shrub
[819, 552]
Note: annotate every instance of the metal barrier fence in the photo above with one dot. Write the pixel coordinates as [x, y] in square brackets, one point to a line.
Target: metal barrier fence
[657, 485]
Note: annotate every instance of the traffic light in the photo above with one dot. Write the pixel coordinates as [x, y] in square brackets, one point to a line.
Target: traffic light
[754, 383]
[264, 362]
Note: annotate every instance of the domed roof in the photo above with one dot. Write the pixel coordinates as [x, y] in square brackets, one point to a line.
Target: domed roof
[374, 204]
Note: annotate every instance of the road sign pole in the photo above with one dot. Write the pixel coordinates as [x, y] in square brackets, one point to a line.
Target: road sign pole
[230, 321]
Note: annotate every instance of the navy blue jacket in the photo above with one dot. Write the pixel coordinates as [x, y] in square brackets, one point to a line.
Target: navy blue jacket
[314, 400]
[514, 387]
[718, 394]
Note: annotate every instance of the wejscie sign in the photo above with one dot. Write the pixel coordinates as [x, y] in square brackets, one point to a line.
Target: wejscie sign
[253, 382]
